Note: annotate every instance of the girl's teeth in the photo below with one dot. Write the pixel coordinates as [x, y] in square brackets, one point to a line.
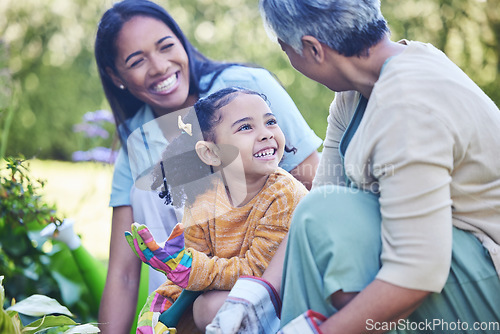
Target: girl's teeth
[166, 84]
[264, 153]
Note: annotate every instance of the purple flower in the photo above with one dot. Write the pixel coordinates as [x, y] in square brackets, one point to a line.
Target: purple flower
[80, 156]
[92, 126]
[91, 130]
[99, 116]
[101, 154]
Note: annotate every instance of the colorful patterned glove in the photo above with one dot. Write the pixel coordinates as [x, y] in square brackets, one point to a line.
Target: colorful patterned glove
[253, 306]
[306, 323]
[171, 259]
[148, 322]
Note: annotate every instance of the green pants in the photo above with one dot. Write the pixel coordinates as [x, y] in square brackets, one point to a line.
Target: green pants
[334, 244]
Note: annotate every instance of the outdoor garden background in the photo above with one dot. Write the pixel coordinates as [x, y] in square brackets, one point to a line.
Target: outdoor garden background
[54, 115]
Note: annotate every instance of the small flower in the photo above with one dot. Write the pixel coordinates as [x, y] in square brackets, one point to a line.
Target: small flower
[80, 156]
[103, 154]
[93, 127]
[99, 116]
[100, 154]
[91, 130]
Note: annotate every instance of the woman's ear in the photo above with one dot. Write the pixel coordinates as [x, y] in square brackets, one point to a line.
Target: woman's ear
[311, 47]
[116, 80]
[208, 153]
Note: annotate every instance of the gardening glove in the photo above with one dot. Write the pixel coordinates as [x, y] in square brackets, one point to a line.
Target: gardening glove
[171, 259]
[306, 323]
[148, 322]
[253, 306]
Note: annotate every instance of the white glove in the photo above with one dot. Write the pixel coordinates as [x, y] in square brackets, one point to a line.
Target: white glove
[253, 306]
[64, 233]
[306, 323]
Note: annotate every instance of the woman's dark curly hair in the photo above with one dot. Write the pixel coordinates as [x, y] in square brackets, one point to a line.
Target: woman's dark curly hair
[181, 164]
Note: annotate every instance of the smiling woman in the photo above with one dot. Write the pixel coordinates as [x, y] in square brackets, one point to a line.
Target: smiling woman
[152, 65]
[148, 69]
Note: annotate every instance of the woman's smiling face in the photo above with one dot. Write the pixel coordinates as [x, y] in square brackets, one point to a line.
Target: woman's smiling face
[153, 65]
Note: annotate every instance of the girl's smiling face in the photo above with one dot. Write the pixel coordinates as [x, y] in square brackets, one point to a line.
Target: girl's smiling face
[249, 125]
[153, 65]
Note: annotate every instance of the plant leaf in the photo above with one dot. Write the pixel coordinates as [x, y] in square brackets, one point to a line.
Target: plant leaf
[83, 329]
[39, 305]
[46, 323]
[7, 324]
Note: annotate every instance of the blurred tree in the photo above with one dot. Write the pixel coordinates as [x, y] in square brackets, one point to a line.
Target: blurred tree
[493, 16]
[51, 56]
[468, 31]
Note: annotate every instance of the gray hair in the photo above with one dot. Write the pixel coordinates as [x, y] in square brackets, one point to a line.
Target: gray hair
[349, 27]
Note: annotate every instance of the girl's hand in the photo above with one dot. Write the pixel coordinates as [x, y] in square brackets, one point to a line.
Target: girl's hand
[171, 259]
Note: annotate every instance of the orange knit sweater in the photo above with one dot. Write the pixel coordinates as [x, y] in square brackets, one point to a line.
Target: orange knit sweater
[228, 242]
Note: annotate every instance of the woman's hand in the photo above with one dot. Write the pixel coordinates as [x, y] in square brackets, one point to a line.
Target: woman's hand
[171, 259]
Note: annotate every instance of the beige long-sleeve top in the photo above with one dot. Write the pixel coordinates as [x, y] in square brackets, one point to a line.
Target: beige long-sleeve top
[429, 143]
[227, 242]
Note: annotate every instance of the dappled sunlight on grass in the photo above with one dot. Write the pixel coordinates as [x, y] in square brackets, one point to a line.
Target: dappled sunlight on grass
[80, 191]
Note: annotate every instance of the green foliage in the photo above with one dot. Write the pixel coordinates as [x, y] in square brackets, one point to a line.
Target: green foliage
[7, 324]
[39, 306]
[31, 264]
[21, 206]
[51, 56]
[21, 209]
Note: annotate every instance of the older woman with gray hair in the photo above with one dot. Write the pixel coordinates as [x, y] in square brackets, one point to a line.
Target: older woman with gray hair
[401, 230]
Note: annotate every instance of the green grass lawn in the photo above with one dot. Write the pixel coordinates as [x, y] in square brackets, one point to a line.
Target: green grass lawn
[80, 191]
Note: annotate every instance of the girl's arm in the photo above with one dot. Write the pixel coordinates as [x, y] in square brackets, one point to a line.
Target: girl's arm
[119, 299]
[214, 273]
[269, 231]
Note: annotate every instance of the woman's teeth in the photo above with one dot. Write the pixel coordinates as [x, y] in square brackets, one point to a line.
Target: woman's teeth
[166, 84]
[264, 153]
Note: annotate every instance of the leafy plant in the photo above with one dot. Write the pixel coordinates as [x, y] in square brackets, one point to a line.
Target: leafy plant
[21, 211]
[31, 264]
[39, 306]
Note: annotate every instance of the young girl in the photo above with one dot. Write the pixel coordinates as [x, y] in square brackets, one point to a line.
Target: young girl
[237, 209]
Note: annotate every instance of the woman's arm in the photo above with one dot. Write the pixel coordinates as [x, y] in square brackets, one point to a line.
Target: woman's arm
[379, 304]
[119, 299]
[330, 170]
[413, 169]
[306, 170]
